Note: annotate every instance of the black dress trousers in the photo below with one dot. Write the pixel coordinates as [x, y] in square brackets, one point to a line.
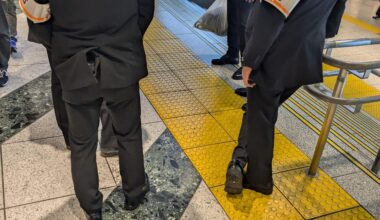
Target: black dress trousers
[237, 16]
[83, 128]
[256, 138]
[4, 41]
[108, 139]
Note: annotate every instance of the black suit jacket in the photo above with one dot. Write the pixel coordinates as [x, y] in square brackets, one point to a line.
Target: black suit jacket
[287, 52]
[112, 29]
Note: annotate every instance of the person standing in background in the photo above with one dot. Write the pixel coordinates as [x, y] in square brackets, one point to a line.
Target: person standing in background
[377, 16]
[5, 48]
[237, 15]
[9, 7]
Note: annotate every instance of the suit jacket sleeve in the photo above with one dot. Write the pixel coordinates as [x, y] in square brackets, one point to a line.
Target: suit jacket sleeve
[335, 19]
[146, 12]
[40, 33]
[263, 28]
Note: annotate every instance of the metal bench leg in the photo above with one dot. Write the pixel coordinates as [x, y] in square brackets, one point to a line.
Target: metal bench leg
[338, 89]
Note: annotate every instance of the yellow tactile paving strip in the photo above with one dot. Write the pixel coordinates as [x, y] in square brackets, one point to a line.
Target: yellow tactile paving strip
[176, 104]
[199, 78]
[219, 98]
[355, 88]
[204, 116]
[230, 121]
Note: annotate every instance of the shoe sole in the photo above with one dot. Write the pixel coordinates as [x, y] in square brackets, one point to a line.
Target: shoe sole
[234, 183]
[263, 191]
[111, 154]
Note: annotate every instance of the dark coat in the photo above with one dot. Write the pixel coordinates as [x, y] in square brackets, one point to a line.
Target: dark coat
[287, 52]
[112, 30]
[4, 40]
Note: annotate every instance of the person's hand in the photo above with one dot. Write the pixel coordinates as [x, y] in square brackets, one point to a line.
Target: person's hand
[246, 74]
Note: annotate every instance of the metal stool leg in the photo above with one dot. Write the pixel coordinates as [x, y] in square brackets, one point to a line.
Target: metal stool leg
[376, 165]
[338, 89]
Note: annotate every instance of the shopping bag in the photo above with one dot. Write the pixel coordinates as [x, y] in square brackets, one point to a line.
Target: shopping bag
[215, 19]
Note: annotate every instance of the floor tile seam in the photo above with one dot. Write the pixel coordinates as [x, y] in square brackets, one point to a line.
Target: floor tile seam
[339, 117]
[110, 170]
[333, 213]
[53, 198]
[345, 175]
[2, 178]
[30, 140]
[335, 146]
[28, 64]
[208, 145]
[337, 131]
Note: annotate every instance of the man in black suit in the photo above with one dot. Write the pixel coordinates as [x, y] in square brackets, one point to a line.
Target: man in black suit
[284, 51]
[41, 33]
[98, 55]
[5, 47]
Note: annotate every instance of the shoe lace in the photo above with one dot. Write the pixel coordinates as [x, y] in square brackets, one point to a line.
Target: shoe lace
[3, 73]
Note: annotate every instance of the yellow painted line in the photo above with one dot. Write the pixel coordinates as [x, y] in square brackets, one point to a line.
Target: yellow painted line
[337, 125]
[334, 145]
[320, 122]
[361, 24]
[344, 119]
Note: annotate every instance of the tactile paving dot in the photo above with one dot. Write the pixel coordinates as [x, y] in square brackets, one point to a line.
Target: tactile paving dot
[199, 78]
[155, 33]
[148, 49]
[352, 214]
[155, 64]
[161, 82]
[313, 197]
[212, 162]
[220, 98]
[196, 131]
[176, 104]
[168, 46]
[287, 156]
[230, 120]
[181, 61]
[251, 205]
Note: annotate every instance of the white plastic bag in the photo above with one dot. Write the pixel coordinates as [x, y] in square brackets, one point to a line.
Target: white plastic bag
[215, 18]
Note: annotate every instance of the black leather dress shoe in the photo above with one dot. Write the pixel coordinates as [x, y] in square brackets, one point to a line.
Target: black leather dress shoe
[225, 59]
[234, 178]
[133, 203]
[264, 189]
[109, 153]
[95, 216]
[376, 17]
[238, 74]
[245, 107]
[241, 92]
